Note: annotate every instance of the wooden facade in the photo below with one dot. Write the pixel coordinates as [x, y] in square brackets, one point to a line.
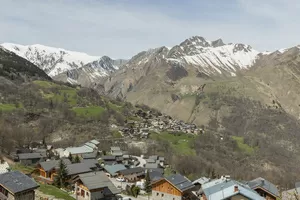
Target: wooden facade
[267, 195]
[48, 176]
[165, 187]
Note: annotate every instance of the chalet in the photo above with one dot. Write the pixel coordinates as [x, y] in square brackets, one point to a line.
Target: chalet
[175, 187]
[225, 188]
[264, 188]
[132, 174]
[4, 167]
[17, 186]
[31, 158]
[49, 169]
[111, 170]
[95, 185]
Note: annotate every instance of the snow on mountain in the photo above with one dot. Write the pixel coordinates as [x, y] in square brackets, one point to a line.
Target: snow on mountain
[52, 60]
[213, 57]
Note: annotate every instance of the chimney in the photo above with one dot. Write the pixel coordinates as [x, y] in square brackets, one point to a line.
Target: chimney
[262, 181]
[236, 188]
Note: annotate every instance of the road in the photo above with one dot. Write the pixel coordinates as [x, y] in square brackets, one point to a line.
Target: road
[141, 160]
[123, 185]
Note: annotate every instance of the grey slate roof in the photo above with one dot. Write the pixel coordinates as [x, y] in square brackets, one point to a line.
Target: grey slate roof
[152, 165]
[96, 180]
[92, 163]
[131, 171]
[78, 168]
[49, 165]
[180, 182]
[28, 156]
[112, 169]
[265, 184]
[16, 182]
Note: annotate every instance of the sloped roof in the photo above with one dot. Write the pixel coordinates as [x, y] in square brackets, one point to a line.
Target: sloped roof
[108, 157]
[89, 144]
[201, 180]
[265, 184]
[112, 169]
[96, 142]
[115, 148]
[89, 155]
[25, 156]
[180, 182]
[152, 165]
[95, 180]
[92, 163]
[48, 165]
[78, 168]
[79, 150]
[131, 171]
[224, 188]
[16, 182]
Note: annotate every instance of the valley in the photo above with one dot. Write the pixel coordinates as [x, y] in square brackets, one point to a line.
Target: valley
[245, 104]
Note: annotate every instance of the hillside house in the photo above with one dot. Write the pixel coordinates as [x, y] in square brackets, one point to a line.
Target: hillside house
[111, 170]
[48, 170]
[132, 174]
[78, 168]
[94, 186]
[228, 189]
[175, 187]
[17, 186]
[31, 158]
[264, 188]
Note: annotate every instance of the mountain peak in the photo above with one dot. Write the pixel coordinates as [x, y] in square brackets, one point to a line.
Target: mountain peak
[217, 43]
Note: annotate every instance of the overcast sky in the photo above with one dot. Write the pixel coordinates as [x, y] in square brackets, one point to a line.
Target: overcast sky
[122, 28]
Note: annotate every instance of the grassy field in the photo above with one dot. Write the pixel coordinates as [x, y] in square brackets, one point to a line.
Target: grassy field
[54, 191]
[22, 168]
[7, 107]
[180, 143]
[90, 111]
[242, 146]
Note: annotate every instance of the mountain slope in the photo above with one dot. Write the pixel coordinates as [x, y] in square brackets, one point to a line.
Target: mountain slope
[91, 72]
[14, 67]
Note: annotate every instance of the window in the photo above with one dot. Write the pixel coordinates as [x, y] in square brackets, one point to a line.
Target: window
[162, 195]
[157, 194]
[173, 198]
[87, 194]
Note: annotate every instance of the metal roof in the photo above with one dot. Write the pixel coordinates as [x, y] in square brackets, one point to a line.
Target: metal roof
[25, 156]
[16, 182]
[96, 142]
[79, 150]
[96, 180]
[265, 184]
[112, 169]
[180, 182]
[225, 188]
[115, 148]
[201, 180]
[49, 165]
[78, 168]
[89, 155]
[131, 171]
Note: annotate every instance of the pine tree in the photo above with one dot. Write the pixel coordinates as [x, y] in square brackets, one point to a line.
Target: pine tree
[71, 158]
[148, 187]
[77, 159]
[61, 178]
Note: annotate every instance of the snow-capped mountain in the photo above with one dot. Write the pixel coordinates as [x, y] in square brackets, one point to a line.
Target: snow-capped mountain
[213, 57]
[52, 60]
[91, 72]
